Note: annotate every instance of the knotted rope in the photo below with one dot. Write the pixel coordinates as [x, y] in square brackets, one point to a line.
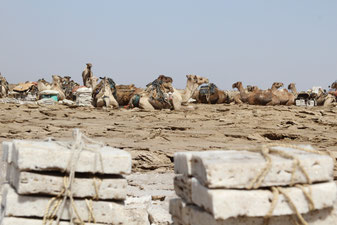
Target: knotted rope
[56, 205]
[266, 151]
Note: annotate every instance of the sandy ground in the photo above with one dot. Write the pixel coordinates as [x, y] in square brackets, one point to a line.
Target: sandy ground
[153, 137]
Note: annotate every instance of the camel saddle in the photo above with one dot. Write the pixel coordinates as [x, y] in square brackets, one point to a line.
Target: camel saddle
[24, 87]
[208, 89]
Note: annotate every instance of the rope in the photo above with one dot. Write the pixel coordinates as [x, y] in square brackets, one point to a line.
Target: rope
[56, 205]
[266, 151]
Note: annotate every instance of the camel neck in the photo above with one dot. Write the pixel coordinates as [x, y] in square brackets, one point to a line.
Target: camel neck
[189, 90]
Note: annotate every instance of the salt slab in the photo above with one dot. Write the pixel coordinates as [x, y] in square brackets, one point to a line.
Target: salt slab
[185, 214]
[237, 169]
[223, 204]
[14, 205]
[52, 156]
[183, 187]
[36, 183]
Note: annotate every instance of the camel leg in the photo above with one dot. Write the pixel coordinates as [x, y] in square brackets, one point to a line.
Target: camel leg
[176, 103]
[114, 102]
[237, 99]
[145, 104]
[328, 101]
[100, 102]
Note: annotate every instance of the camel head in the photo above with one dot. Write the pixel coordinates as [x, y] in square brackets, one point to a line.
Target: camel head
[277, 85]
[334, 85]
[237, 85]
[57, 79]
[197, 79]
[89, 65]
[165, 79]
[291, 86]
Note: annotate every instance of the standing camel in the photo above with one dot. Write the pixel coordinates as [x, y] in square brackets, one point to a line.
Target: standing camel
[4, 89]
[89, 80]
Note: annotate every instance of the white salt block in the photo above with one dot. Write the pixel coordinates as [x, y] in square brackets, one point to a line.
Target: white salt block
[237, 169]
[53, 184]
[223, 204]
[186, 214]
[51, 156]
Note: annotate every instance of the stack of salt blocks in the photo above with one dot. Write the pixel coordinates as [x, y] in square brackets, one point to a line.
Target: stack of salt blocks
[212, 189]
[84, 96]
[35, 174]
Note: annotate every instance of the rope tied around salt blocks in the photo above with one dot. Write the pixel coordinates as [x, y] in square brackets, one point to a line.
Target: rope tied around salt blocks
[56, 205]
[266, 151]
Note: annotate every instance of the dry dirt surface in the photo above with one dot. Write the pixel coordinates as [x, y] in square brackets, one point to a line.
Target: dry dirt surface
[153, 137]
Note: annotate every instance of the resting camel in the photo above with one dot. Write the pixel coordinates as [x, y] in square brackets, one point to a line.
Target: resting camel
[210, 94]
[157, 94]
[67, 87]
[325, 99]
[57, 86]
[292, 88]
[4, 87]
[125, 93]
[103, 94]
[175, 99]
[258, 97]
[283, 95]
[89, 80]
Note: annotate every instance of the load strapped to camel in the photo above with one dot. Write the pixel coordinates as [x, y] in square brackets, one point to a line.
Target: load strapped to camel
[206, 91]
[161, 91]
[272, 184]
[43, 189]
[26, 91]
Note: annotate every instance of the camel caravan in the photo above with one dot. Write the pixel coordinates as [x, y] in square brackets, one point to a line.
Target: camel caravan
[159, 94]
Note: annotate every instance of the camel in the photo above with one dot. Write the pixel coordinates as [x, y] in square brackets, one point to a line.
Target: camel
[283, 95]
[323, 98]
[292, 88]
[125, 93]
[176, 99]
[43, 85]
[157, 95]
[89, 80]
[57, 86]
[4, 87]
[257, 97]
[103, 94]
[67, 87]
[210, 94]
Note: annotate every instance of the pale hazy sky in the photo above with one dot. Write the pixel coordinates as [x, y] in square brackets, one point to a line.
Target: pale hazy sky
[133, 41]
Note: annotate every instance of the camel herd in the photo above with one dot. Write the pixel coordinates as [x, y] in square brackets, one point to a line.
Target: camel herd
[160, 94]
